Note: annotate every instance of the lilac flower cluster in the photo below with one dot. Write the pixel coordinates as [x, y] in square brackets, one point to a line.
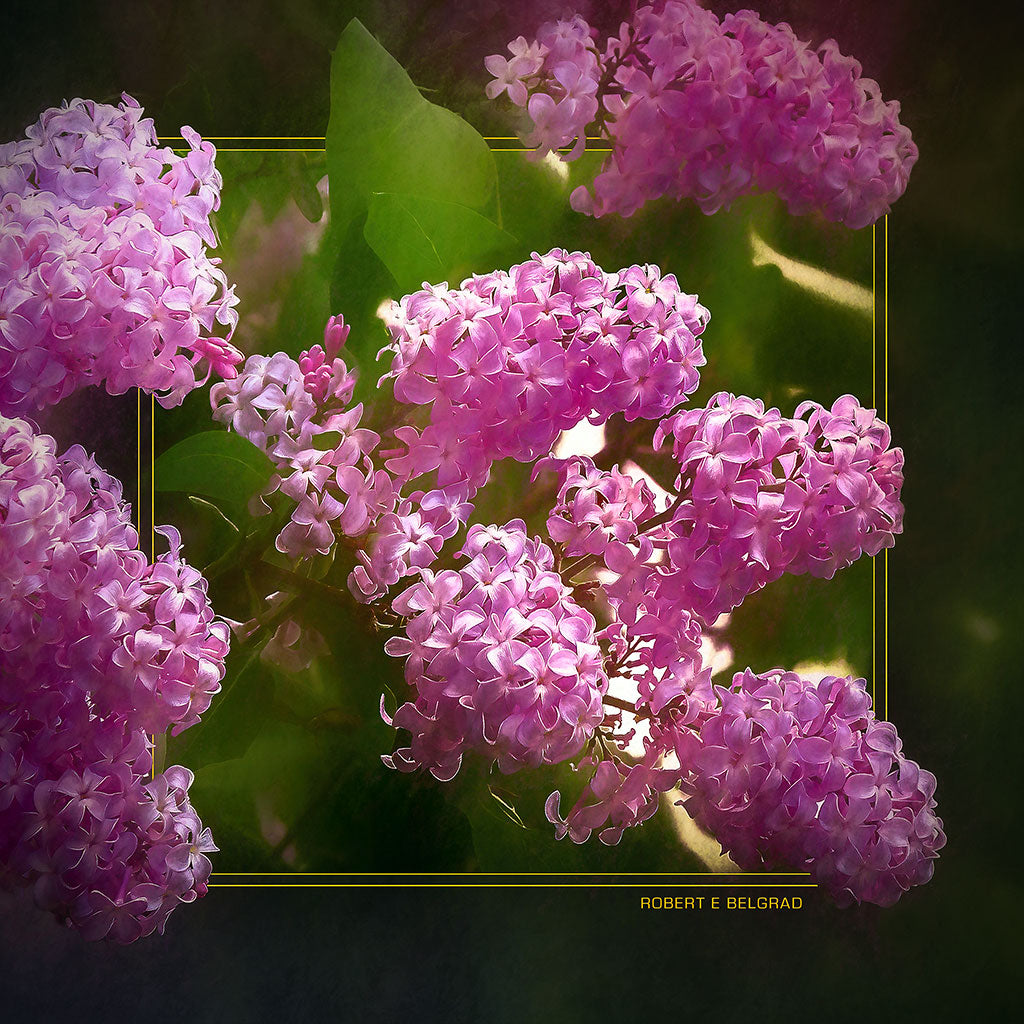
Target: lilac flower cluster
[767, 495]
[800, 774]
[104, 271]
[699, 108]
[97, 648]
[619, 795]
[500, 657]
[503, 655]
[756, 495]
[504, 364]
[298, 413]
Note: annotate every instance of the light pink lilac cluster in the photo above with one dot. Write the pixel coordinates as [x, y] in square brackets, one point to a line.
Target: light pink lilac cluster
[794, 773]
[501, 659]
[756, 495]
[503, 655]
[707, 109]
[300, 414]
[98, 647]
[618, 795]
[104, 271]
[766, 495]
[504, 364]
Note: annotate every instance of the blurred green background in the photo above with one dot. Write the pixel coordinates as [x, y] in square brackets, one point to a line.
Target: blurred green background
[289, 765]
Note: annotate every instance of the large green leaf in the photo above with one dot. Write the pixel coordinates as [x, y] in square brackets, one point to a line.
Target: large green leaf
[422, 239]
[236, 716]
[217, 464]
[384, 136]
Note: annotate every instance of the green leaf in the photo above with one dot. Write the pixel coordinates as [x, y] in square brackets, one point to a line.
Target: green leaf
[327, 440]
[217, 464]
[384, 136]
[236, 716]
[422, 239]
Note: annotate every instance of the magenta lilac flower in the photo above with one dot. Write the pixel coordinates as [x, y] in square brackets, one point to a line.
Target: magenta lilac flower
[793, 773]
[98, 647]
[501, 365]
[300, 414]
[705, 109]
[619, 795]
[500, 658]
[504, 656]
[105, 276]
[765, 495]
[504, 364]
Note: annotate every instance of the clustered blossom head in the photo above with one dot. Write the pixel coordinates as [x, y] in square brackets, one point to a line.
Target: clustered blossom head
[766, 495]
[503, 655]
[502, 365]
[506, 362]
[97, 648]
[757, 495]
[104, 271]
[501, 660]
[299, 413]
[619, 795]
[707, 109]
[800, 774]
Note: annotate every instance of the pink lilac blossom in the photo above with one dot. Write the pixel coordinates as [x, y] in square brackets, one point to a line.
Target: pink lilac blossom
[794, 773]
[501, 365]
[503, 655]
[705, 109]
[501, 660]
[504, 364]
[757, 495]
[609, 518]
[105, 275]
[300, 414]
[97, 648]
[619, 795]
[766, 495]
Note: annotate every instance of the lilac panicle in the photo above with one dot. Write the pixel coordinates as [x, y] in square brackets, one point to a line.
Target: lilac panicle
[105, 275]
[98, 647]
[705, 109]
[766, 495]
[300, 414]
[506, 362]
[500, 658]
[800, 774]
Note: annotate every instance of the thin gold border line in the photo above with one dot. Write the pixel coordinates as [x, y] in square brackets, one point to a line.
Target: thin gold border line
[153, 478]
[874, 405]
[507, 874]
[323, 138]
[138, 461]
[152, 523]
[506, 885]
[885, 564]
[320, 149]
[543, 874]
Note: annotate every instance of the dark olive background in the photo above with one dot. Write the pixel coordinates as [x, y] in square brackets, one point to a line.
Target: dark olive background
[262, 69]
